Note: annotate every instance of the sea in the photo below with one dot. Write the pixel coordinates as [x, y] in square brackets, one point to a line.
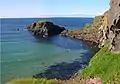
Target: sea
[23, 55]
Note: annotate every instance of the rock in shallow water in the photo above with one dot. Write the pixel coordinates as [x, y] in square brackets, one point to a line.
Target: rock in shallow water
[62, 71]
[45, 29]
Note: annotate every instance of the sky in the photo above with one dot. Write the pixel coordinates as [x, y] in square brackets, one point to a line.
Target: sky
[52, 8]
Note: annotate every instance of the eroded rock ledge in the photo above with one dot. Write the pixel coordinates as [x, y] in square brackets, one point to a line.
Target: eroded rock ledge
[45, 29]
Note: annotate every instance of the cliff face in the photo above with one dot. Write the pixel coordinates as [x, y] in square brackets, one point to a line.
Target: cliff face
[103, 29]
[110, 27]
[114, 25]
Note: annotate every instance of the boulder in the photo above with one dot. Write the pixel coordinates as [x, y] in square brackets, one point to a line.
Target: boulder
[45, 29]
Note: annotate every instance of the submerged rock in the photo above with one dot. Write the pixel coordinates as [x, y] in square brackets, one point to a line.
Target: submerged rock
[45, 29]
[62, 71]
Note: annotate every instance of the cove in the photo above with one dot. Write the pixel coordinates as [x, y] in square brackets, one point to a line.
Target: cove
[24, 55]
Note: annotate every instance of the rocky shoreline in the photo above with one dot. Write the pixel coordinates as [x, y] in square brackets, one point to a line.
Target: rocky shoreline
[90, 33]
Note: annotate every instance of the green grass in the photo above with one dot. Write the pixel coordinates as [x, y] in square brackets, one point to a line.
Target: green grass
[95, 23]
[33, 81]
[105, 65]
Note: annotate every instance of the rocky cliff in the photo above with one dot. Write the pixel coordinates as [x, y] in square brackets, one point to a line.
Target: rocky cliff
[105, 29]
[110, 27]
[114, 25]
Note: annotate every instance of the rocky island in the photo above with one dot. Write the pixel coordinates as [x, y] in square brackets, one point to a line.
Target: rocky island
[45, 29]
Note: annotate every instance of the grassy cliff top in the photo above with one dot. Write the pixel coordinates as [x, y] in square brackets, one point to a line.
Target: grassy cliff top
[105, 65]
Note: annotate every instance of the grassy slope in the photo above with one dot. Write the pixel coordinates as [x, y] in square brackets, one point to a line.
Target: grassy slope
[105, 65]
[33, 81]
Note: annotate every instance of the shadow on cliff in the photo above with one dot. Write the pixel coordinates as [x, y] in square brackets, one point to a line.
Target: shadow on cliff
[65, 71]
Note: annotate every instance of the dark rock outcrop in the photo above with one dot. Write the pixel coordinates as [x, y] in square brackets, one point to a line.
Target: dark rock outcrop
[62, 71]
[45, 29]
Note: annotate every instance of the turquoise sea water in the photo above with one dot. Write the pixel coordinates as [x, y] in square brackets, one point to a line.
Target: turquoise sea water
[23, 55]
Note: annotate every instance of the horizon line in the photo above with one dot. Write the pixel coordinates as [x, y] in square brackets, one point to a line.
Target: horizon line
[55, 16]
[47, 17]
